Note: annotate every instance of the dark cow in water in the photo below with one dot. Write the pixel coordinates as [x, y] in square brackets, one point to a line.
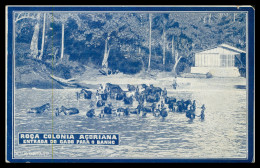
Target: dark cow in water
[153, 98]
[128, 100]
[69, 111]
[41, 109]
[133, 110]
[140, 98]
[130, 87]
[100, 103]
[127, 111]
[169, 100]
[104, 96]
[120, 111]
[90, 113]
[120, 96]
[144, 86]
[151, 90]
[180, 106]
[186, 104]
[163, 112]
[190, 114]
[87, 94]
[147, 109]
[107, 110]
[113, 90]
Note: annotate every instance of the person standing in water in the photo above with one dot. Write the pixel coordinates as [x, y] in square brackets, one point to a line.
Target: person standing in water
[174, 85]
[97, 95]
[164, 93]
[203, 108]
[194, 105]
[101, 90]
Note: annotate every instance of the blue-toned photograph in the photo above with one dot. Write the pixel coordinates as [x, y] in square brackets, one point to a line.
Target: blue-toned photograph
[129, 84]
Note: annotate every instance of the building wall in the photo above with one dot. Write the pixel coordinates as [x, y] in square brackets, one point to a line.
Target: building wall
[207, 60]
[217, 57]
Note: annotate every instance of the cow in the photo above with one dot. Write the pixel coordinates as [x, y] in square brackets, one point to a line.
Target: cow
[130, 87]
[104, 96]
[128, 100]
[113, 90]
[163, 112]
[87, 94]
[147, 109]
[100, 103]
[153, 98]
[41, 109]
[90, 113]
[69, 111]
[120, 96]
[170, 100]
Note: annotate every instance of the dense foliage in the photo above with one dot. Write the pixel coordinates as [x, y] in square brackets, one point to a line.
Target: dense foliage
[86, 38]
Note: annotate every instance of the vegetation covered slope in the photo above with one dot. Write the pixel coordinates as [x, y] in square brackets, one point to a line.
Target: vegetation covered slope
[64, 43]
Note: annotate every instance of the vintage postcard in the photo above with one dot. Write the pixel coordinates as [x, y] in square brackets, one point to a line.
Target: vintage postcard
[130, 84]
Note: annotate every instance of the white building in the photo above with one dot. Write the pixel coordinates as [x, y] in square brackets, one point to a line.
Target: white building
[219, 61]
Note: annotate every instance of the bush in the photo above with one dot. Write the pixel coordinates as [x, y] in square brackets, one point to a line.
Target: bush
[130, 66]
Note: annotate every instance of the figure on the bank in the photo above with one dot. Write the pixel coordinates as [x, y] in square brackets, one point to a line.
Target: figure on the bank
[174, 85]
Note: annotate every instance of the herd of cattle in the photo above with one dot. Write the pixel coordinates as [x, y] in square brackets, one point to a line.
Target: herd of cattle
[150, 100]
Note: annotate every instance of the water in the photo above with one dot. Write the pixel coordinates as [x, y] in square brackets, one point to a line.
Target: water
[223, 133]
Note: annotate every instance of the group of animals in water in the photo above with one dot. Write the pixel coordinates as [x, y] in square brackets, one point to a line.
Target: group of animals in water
[159, 103]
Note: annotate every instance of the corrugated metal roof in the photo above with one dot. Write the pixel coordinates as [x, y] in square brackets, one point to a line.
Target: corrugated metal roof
[226, 46]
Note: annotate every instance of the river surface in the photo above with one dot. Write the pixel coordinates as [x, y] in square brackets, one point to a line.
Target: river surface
[223, 133]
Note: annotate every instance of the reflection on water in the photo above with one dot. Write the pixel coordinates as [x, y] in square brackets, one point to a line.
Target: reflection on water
[221, 135]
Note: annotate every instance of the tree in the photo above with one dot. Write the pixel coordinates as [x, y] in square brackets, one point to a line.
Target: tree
[150, 43]
[161, 21]
[43, 36]
[34, 42]
[62, 19]
[109, 31]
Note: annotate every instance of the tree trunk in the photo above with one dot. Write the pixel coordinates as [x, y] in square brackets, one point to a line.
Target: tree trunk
[163, 48]
[172, 47]
[43, 36]
[106, 54]
[177, 60]
[150, 42]
[35, 37]
[62, 42]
